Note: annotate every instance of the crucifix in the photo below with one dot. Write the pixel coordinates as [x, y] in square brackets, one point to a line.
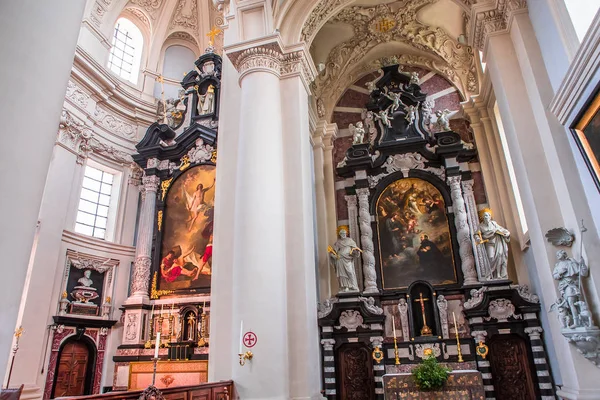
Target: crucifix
[212, 34]
[425, 330]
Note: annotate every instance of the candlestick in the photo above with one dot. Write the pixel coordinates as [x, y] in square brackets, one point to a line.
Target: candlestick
[157, 345]
[397, 361]
[241, 336]
[460, 359]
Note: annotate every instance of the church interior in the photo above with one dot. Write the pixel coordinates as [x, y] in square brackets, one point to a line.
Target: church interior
[403, 198]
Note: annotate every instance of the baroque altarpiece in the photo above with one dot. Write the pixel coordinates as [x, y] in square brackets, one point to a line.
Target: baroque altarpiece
[178, 157]
[429, 281]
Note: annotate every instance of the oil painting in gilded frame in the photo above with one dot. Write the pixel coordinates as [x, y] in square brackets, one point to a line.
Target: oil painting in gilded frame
[414, 235]
[587, 136]
[186, 249]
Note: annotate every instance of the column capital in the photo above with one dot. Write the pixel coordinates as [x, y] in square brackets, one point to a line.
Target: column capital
[351, 200]
[151, 183]
[492, 17]
[467, 186]
[454, 182]
[268, 54]
[479, 336]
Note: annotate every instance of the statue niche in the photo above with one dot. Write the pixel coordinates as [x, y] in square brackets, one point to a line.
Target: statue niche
[424, 321]
[414, 235]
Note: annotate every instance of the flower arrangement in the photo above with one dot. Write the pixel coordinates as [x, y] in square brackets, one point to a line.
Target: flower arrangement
[430, 375]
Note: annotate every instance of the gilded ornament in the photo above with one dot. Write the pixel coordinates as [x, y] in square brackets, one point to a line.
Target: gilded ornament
[377, 355]
[482, 349]
[160, 219]
[164, 186]
[155, 294]
[213, 157]
[185, 163]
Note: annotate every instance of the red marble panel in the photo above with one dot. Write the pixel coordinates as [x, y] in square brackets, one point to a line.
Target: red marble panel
[451, 101]
[343, 119]
[435, 84]
[92, 334]
[58, 338]
[367, 78]
[340, 146]
[50, 374]
[463, 128]
[340, 204]
[479, 188]
[352, 98]
[98, 372]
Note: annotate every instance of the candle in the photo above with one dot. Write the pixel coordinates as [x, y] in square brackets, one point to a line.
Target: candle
[204, 305]
[394, 326]
[152, 312]
[241, 335]
[157, 345]
[172, 307]
[455, 326]
[162, 307]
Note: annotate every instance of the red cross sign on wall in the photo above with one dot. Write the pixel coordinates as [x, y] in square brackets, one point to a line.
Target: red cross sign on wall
[249, 339]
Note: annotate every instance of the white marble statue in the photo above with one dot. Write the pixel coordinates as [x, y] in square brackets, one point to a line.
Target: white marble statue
[85, 280]
[358, 132]
[568, 273]
[384, 117]
[495, 239]
[342, 255]
[206, 101]
[442, 120]
[411, 114]
[395, 98]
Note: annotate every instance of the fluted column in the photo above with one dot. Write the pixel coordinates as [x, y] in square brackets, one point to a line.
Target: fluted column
[481, 260]
[462, 231]
[366, 241]
[354, 233]
[143, 253]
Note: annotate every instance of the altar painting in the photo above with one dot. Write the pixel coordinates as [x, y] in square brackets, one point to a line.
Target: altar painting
[186, 251]
[414, 235]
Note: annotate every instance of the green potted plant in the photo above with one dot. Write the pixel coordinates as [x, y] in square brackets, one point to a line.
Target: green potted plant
[430, 375]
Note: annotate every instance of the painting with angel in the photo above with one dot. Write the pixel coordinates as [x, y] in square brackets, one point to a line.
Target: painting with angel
[186, 251]
[414, 235]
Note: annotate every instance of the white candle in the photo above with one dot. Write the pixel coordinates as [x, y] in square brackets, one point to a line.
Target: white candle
[394, 326]
[157, 345]
[241, 335]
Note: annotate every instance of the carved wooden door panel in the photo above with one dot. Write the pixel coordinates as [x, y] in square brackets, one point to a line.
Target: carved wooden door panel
[72, 368]
[511, 369]
[355, 373]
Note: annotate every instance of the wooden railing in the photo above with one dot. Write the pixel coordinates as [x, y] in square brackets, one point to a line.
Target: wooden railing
[207, 391]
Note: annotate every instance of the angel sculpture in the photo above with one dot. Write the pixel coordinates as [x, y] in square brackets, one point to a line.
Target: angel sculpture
[442, 119]
[358, 132]
[384, 117]
[395, 98]
[564, 316]
[195, 203]
[411, 114]
[414, 78]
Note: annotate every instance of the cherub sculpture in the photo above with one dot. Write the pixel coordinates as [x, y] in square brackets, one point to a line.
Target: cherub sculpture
[564, 316]
[411, 113]
[395, 98]
[358, 132]
[384, 117]
[442, 119]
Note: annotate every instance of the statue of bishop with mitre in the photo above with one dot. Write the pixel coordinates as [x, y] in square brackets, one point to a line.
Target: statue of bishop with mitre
[342, 255]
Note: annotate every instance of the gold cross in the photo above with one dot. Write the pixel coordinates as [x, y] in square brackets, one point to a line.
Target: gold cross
[212, 34]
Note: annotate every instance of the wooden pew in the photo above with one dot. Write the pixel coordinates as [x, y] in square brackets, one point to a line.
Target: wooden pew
[206, 391]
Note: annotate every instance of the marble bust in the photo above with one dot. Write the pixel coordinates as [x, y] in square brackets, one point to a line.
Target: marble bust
[86, 281]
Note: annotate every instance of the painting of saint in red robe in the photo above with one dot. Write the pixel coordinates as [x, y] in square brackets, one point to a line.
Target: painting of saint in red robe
[186, 251]
[414, 235]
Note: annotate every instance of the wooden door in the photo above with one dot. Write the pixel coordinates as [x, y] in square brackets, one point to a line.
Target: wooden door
[511, 369]
[72, 370]
[355, 373]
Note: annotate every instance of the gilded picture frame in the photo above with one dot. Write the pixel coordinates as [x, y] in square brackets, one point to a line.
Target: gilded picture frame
[586, 131]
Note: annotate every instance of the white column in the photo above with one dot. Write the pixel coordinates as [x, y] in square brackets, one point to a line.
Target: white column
[366, 241]
[481, 260]
[323, 239]
[540, 177]
[462, 232]
[331, 131]
[140, 281]
[37, 42]
[259, 253]
[303, 331]
[354, 231]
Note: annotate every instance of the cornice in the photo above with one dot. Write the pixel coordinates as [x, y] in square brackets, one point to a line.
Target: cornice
[492, 17]
[580, 75]
[268, 54]
[91, 243]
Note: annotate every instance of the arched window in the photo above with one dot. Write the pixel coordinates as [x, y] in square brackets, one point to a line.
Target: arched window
[126, 52]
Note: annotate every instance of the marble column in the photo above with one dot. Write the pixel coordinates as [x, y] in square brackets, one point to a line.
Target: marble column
[354, 233]
[481, 260]
[366, 242]
[323, 239]
[143, 253]
[38, 40]
[462, 231]
[331, 131]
